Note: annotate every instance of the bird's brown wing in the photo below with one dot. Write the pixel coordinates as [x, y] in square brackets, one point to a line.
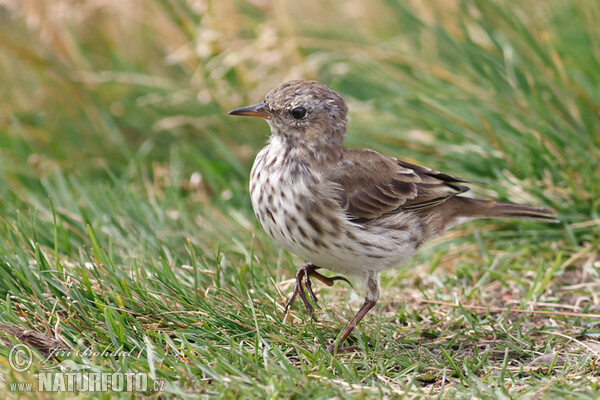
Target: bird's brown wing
[373, 185]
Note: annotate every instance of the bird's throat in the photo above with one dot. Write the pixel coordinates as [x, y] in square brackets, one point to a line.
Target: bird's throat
[306, 151]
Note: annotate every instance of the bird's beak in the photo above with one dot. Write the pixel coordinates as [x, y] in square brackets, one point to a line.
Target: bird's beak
[258, 110]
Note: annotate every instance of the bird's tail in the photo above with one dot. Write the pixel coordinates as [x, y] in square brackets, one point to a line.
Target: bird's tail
[476, 208]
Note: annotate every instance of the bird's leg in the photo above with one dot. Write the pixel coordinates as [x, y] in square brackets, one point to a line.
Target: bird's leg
[309, 289]
[305, 272]
[336, 347]
[371, 298]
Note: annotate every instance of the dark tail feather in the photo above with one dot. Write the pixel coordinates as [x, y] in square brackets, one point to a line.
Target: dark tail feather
[494, 209]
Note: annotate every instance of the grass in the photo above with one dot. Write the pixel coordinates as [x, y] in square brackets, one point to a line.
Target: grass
[126, 223]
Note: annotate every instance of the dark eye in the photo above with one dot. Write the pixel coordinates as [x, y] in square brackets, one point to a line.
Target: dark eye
[299, 112]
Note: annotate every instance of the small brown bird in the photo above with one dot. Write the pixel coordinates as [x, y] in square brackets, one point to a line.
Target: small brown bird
[352, 211]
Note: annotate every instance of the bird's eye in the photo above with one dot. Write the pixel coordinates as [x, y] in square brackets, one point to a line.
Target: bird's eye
[299, 112]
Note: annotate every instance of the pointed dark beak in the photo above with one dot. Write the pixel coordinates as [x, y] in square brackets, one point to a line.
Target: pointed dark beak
[258, 110]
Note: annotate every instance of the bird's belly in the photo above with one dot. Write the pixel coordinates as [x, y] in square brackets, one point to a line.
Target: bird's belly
[309, 223]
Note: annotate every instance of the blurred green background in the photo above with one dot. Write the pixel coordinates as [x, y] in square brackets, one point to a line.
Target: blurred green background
[117, 154]
[473, 86]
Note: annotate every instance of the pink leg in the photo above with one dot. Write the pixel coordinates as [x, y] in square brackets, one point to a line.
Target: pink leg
[371, 298]
[305, 272]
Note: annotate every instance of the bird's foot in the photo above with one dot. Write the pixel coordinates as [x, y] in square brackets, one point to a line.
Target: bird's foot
[335, 348]
[303, 276]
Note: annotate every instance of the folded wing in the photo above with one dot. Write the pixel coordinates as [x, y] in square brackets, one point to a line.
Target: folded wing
[373, 185]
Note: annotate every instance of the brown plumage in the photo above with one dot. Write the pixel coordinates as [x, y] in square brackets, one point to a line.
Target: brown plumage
[352, 211]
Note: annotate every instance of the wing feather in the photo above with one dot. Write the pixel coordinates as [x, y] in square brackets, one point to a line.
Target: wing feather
[372, 185]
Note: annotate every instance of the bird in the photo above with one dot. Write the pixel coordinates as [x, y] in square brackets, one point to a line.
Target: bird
[355, 212]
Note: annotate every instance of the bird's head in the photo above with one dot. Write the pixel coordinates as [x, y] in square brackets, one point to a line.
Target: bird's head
[302, 111]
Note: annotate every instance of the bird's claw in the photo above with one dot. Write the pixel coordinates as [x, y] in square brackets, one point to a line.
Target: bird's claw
[305, 272]
[331, 349]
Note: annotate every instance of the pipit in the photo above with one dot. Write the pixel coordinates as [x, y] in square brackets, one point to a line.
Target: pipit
[352, 211]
